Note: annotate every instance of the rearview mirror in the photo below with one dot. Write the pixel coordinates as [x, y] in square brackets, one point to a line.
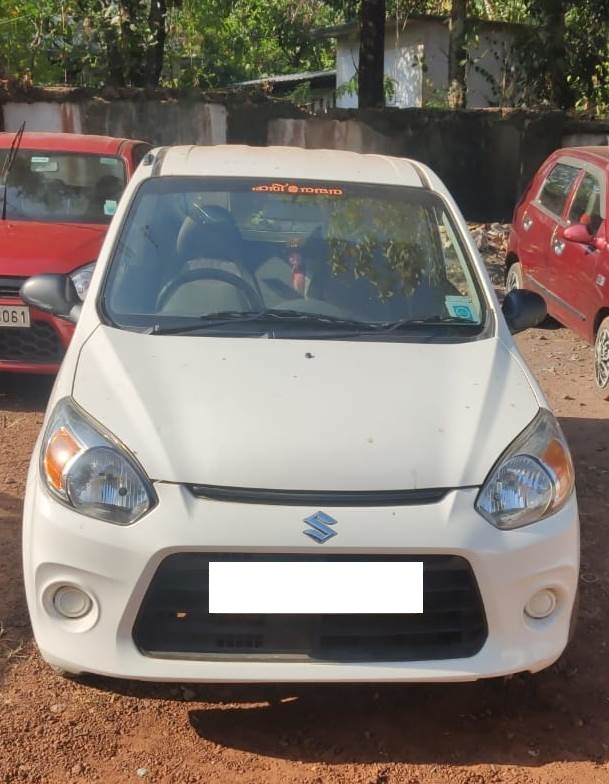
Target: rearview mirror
[523, 309]
[54, 294]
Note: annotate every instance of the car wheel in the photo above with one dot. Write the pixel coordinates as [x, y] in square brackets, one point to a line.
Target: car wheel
[601, 360]
[513, 279]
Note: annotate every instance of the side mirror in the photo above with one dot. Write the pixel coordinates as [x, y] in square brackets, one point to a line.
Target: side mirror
[578, 232]
[54, 294]
[523, 309]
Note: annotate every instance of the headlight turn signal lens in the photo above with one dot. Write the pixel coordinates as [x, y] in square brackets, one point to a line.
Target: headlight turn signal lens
[62, 447]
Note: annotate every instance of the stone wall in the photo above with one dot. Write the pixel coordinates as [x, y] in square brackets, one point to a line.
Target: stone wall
[485, 157]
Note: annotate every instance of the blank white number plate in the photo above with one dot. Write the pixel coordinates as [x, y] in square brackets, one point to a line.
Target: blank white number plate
[14, 316]
[315, 587]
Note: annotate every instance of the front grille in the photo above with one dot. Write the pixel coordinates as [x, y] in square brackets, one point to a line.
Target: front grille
[9, 287]
[38, 343]
[248, 495]
[174, 619]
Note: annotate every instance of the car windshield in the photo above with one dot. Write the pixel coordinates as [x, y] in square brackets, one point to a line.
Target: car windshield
[291, 258]
[61, 187]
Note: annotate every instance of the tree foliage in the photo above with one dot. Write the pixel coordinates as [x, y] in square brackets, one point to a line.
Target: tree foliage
[566, 52]
[563, 47]
[249, 39]
[124, 42]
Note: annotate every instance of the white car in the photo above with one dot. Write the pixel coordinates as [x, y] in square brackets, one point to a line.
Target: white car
[292, 438]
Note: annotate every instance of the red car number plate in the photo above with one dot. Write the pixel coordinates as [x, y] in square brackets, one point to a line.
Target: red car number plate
[14, 316]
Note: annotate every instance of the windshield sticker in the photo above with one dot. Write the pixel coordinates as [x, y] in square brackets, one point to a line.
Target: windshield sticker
[110, 207]
[42, 163]
[460, 307]
[108, 161]
[298, 190]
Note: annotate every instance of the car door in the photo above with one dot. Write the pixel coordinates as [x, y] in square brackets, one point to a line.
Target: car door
[540, 222]
[578, 282]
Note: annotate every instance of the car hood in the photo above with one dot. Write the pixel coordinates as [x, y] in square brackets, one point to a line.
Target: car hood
[306, 415]
[30, 247]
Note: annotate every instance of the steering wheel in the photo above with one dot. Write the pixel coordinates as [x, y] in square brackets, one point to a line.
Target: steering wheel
[250, 293]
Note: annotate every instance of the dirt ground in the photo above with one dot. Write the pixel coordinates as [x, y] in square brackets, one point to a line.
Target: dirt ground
[550, 728]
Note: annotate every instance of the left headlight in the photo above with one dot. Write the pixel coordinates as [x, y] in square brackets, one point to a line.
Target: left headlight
[81, 278]
[89, 470]
[533, 478]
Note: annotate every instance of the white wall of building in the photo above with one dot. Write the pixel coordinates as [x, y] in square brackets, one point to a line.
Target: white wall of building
[416, 58]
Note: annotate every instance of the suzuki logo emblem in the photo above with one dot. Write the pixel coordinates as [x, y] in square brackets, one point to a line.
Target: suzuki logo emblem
[320, 531]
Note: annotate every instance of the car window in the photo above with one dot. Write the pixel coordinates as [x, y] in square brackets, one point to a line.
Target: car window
[59, 187]
[194, 247]
[557, 187]
[586, 207]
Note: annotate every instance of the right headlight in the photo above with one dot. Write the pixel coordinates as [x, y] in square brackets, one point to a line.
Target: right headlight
[533, 478]
[86, 468]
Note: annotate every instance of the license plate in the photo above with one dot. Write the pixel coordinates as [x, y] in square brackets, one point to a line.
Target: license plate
[14, 316]
[316, 587]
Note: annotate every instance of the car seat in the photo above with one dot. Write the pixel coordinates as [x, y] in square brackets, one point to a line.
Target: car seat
[209, 239]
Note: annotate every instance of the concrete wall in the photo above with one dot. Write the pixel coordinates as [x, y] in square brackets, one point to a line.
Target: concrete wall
[416, 58]
[164, 122]
[485, 157]
[484, 160]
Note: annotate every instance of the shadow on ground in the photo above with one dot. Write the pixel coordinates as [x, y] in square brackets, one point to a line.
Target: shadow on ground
[24, 393]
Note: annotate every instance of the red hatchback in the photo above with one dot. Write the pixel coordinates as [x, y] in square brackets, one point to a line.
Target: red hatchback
[61, 192]
[559, 247]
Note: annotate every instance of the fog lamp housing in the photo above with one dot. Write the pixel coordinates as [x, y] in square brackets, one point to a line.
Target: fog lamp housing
[541, 605]
[71, 602]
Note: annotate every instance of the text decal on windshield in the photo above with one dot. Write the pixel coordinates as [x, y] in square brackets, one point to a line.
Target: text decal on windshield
[292, 188]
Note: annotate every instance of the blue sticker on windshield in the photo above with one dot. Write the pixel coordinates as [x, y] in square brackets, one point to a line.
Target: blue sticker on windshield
[110, 206]
[460, 307]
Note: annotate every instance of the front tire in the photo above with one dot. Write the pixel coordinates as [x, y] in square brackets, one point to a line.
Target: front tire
[601, 360]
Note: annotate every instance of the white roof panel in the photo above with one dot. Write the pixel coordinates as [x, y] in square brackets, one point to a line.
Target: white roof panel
[292, 162]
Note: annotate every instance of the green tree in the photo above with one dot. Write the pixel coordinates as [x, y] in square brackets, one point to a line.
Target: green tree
[250, 39]
[116, 42]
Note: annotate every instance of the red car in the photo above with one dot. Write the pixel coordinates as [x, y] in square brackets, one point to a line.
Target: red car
[559, 246]
[61, 192]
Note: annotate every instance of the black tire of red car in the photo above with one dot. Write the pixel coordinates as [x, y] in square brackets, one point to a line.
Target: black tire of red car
[601, 360]
[513, 278]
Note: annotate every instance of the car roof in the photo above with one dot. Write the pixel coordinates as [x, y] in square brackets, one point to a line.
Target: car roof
[68, 142]
[272, 163]
[594, 154]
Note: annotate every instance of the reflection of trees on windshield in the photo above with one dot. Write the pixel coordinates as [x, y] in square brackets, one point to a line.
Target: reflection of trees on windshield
[387, 243]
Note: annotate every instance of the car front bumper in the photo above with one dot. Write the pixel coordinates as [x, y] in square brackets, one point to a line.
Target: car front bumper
[35, 349]
[115, 565]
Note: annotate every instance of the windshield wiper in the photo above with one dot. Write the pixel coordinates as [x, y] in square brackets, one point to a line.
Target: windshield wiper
[8, 165]
[433, 321]
[215, 320]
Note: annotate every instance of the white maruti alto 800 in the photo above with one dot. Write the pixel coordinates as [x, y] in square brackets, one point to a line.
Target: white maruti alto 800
[292, 438]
